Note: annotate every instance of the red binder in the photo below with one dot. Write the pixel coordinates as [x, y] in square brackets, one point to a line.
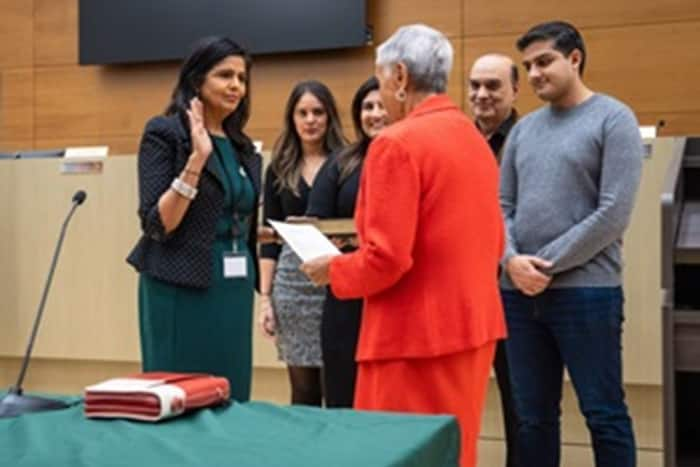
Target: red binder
[154, 396]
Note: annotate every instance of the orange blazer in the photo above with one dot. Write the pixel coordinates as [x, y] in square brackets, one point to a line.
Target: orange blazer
[431, 236]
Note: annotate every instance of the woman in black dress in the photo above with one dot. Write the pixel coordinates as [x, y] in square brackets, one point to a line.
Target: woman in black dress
[291, 306]
[333, 196]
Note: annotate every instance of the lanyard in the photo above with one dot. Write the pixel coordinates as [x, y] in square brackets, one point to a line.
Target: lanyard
[237, 198]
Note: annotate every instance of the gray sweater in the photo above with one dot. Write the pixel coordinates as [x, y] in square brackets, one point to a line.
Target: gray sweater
[568, 183]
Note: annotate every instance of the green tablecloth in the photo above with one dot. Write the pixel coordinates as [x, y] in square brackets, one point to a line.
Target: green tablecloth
[241, 435]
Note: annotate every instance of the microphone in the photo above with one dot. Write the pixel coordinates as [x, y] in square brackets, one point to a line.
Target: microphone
[15, 402]
[79, 197]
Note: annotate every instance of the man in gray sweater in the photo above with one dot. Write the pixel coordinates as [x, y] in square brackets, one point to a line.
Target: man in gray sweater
[569, 176]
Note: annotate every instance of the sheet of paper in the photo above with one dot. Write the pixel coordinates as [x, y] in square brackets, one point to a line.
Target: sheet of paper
[305, 240]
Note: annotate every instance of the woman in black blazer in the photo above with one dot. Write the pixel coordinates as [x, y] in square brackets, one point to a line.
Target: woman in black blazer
[199, 185]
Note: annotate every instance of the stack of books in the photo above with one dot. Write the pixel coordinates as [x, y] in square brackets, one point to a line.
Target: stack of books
[154, 396]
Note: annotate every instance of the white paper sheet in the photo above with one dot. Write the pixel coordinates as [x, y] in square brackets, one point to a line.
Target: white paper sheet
[305, 240]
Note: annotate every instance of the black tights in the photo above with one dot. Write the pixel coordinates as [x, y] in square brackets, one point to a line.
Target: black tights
[306, 385]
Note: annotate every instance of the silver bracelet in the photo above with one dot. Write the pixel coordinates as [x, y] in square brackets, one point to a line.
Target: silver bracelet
[183, 189]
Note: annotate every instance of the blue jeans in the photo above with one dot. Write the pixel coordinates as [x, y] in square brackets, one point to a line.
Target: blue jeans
[580, 328]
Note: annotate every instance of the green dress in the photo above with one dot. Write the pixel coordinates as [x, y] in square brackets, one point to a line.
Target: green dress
[207, 330]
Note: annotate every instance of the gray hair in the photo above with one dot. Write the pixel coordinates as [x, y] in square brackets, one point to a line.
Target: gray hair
[425, 51]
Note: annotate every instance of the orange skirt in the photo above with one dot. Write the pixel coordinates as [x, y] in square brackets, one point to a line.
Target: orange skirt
[453, 384]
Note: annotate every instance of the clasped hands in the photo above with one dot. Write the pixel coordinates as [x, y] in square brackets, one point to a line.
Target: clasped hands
[525, 271]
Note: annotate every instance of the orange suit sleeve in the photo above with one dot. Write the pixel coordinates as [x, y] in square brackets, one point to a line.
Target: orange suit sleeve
[389, 202]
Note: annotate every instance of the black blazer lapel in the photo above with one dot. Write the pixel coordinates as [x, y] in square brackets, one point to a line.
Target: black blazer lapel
[252, 164]
[214, 167]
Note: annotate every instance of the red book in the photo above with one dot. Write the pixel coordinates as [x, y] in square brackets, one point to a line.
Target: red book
[154, 396]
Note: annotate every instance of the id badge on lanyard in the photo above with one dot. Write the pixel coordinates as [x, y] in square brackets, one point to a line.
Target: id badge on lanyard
[235, 265]
[235, 262]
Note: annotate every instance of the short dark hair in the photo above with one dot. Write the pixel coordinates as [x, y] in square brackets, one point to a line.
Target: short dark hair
[565, 36]
[205, 55]
[514, 74]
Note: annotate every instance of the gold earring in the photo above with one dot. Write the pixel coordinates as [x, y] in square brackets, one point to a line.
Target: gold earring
[400, 95]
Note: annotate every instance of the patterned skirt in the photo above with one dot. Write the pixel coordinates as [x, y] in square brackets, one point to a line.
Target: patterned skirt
[298, 306]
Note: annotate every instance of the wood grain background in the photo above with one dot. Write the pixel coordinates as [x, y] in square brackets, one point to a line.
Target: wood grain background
[643, 51]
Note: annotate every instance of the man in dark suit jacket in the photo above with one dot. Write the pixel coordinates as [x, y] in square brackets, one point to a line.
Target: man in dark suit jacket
[493, 89]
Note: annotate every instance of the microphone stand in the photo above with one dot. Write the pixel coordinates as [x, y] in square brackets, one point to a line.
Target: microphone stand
[16, 402]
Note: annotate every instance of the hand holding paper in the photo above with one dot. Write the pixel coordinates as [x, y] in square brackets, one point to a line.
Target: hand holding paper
[318, 269]
[314, 249]
[306, 240]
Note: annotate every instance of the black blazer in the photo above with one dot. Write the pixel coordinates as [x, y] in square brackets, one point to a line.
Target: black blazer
[182, 257]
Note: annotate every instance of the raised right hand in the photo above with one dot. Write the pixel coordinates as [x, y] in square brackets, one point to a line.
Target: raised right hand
[201, 142]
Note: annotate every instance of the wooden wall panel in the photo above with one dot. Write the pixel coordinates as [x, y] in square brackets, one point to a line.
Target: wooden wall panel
[16, 40]
[343, 72]
[105, 111]
[274, 77]
[74, 110]
[114, 102]
[8, 247]
[99, 101]
[455, 86]
[675, 123]
[16, 105]
[489, 18]
[118, 145]
[387, 15]
[651, 75]
[55, 32]
[11, 145]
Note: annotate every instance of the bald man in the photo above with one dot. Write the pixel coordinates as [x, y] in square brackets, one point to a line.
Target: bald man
[493, 88]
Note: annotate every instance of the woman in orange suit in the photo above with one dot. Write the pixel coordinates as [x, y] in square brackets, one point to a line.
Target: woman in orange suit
[430, 238]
